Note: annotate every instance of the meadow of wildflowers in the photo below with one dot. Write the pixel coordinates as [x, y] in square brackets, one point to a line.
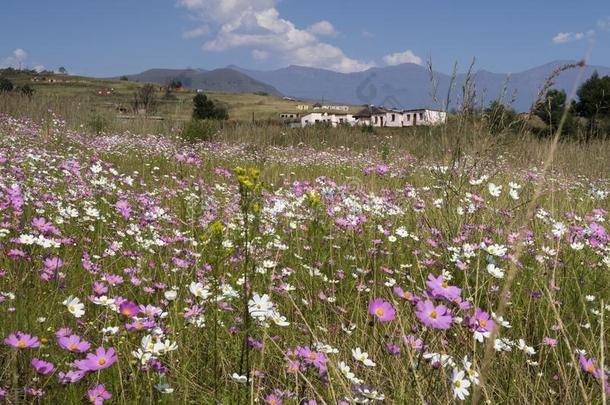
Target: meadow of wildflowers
[138, 269]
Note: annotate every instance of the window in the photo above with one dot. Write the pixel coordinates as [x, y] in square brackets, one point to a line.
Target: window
[408, 117]
[393, 117]
[421, 116]
[375, 120]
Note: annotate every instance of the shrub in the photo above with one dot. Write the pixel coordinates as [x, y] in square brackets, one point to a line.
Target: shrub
[6, 85]
[199, 130]
[97, 123]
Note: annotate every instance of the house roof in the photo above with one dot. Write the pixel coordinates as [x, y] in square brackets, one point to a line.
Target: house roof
[370, 111]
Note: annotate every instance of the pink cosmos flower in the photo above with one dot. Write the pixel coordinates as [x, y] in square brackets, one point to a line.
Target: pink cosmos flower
[413, 342]
[437, 317]
[481, 321]
[99, 360]
[20, 340]
[124, 208]
[407, 295]
[42, 367]
[588, 365]
[128, 309]
[383, 310]
[549, 341]
[98, 394]
[70, 377]
[73, 343]
[441, 288]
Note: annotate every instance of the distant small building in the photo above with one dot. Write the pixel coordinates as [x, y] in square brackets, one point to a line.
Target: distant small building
[302, 107]
[288, 98]
[289, 116]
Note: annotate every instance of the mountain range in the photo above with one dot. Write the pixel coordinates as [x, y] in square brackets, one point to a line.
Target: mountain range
[224, 80]
[402, 86]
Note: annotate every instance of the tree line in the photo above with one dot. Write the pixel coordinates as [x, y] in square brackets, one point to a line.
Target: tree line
[587, 118]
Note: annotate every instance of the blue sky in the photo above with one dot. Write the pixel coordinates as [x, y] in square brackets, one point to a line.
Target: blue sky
[112, 37]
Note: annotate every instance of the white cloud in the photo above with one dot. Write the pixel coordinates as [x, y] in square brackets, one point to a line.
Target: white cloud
[15, 61]
[257, 24]
[322, 28]
[565, 37]
[402, 57]
[604, 24]
[197, 32]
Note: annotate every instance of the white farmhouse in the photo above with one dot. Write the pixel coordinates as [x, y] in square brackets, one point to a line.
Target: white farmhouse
[328, 119]
[423, 117]
[382, 117]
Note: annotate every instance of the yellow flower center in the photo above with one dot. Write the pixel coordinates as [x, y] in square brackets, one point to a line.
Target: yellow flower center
[406, 295]
[101, 362]
[380, 312]
[312, 356]
[73, 346]
[483, 322]
[21, 343]
[433, 314]
[126, 312]
[445, 284]
[139, 325]
[590, 368]
[458, 383]
[71, 308]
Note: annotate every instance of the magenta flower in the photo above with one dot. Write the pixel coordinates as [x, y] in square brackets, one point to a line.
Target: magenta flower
[441, 288]
[413, 342]
[124, 208]
[383, 310]
[99, 360]
[437, 317]
[588, 365]
[128, 309]
[273, 399]
[73, 343]
[481, 321]
[42, 367]
[71, 377]
[406, 295]
[20, 340]
[98, 394]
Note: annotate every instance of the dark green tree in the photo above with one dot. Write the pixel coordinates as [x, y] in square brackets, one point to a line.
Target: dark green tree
[594, 104]
[62, 70]
[205, 109]
[6, 85]
[551, 110]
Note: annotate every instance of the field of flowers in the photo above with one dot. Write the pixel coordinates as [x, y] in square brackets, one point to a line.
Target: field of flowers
[138, 269]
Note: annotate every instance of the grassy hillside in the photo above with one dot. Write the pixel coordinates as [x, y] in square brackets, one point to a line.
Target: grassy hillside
[101, 96]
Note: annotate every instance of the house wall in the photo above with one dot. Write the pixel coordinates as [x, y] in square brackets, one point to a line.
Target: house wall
[326, 118]
[424, 117]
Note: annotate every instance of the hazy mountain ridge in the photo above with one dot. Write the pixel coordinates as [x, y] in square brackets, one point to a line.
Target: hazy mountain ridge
[409, 85]
[223, 80]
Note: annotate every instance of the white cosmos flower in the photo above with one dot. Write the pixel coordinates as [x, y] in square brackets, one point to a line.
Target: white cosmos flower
[496, 250]
[494, 190]
[75, 306]
[239, 378]
[362, 357]
[170, 295]
[495, 271]
[198, 290]
[259, 306]
[460, 384]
